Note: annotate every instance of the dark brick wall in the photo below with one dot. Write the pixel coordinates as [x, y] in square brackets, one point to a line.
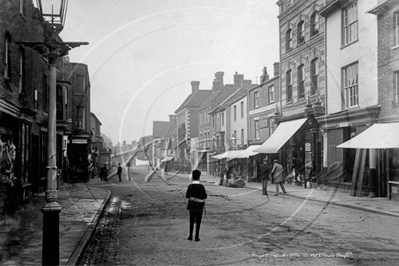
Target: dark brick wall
[388, 63]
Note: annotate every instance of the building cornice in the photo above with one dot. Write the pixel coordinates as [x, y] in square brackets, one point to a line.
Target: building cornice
[383, 7]
[350, 117]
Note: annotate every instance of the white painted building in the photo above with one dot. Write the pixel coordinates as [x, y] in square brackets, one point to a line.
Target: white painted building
[351, 46]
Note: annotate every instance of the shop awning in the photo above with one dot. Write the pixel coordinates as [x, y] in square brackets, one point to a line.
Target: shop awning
[378, 136]
[282, 134]
[227, 154]
[248, 152]
[167, 159]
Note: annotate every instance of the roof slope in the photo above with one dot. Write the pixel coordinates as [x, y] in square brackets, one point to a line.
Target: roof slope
[159, 128]
[195, 100]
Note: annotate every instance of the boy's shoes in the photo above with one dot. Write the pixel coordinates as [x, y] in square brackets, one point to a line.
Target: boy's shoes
[190, 238]
[197, 239]
[276, 194]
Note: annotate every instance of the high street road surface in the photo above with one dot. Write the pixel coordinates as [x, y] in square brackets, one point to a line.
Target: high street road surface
[146, 223]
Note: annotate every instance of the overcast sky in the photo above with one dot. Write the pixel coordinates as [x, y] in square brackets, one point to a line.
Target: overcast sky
[143, 54]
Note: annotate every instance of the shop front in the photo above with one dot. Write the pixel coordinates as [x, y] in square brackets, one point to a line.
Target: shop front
[292, 148]
[78, 157]
[378, 145]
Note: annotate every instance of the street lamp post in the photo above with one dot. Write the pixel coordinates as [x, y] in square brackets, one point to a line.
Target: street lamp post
[52, 48]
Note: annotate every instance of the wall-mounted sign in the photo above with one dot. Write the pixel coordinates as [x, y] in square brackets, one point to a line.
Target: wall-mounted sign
[79, 141]
[308, 147]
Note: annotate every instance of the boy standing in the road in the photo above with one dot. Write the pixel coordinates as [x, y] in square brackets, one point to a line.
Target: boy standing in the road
[119, 172]
[264, 174]
[196, 194]
[278, 172]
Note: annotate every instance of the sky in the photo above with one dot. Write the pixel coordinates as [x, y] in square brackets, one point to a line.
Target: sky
[143, 54]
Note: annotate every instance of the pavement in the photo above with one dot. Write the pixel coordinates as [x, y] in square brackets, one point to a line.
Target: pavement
[82, 205]
[327, 195]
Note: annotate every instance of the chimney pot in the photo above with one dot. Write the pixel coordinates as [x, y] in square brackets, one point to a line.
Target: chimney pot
[237, 79]
[194, 86]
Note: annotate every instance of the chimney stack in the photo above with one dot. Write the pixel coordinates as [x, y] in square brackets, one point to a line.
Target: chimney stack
[172, 117]
[246, 84]
[276, 68]
[218, 82]
[194, 86]
[237, 79]
[265, 76]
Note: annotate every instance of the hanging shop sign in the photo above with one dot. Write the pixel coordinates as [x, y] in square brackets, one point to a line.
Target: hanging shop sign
[79, 141]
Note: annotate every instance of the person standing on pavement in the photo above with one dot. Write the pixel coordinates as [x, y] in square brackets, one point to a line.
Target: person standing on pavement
[264, 174]
[278, 172]
[196, 195]
[104, 173]
[119, 172]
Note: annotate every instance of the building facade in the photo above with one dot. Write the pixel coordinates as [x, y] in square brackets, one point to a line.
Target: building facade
[352, 80]
[302, 87]
[24, 106]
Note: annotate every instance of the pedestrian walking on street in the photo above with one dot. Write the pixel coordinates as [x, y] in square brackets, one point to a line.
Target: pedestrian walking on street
[119, 172]
[104, 173]
[278, 172]
[196, 195]
[264, 174]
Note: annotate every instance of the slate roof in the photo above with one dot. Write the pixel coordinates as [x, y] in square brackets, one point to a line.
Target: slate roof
[159, 128]
[195, 100]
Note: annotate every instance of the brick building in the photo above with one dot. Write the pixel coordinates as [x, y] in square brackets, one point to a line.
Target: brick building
[302, 85]
[78, 136]
[24, 94]
[187, 124]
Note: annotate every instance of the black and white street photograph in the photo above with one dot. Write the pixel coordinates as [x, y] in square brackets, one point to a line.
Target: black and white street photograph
[199, 132]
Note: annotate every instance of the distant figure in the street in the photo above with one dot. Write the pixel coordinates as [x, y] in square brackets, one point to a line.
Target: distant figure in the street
[264, 174]
[119, 172]
[104, 173]
[196, 195]
[222, 173]
[278, 172]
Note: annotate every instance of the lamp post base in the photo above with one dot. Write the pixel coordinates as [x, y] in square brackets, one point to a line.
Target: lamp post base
[51, 240]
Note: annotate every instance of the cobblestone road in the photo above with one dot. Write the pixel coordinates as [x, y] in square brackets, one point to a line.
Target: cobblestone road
[241, 227]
